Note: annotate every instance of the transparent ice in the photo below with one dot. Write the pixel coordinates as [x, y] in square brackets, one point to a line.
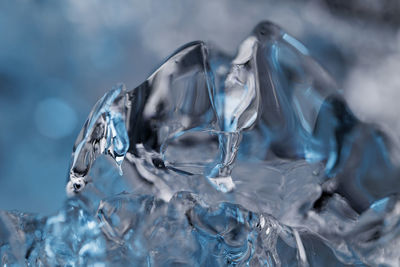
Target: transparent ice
[252, 160]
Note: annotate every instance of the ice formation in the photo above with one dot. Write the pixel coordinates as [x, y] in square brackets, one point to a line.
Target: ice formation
[254, 160]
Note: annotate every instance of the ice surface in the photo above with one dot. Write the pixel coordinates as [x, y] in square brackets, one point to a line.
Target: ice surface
[252, 160]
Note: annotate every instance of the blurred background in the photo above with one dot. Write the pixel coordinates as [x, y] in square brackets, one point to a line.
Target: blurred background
[58, 58]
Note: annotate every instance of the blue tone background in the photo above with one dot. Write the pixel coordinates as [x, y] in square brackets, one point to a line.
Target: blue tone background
[58, 58]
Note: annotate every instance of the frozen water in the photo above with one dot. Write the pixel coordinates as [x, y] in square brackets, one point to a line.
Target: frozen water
[250, 160]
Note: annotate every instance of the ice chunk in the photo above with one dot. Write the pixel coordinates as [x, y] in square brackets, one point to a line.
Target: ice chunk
[173, 100]
[19, 235]
[214, 160]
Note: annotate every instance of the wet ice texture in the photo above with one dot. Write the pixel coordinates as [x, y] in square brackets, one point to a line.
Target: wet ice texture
[252, 160]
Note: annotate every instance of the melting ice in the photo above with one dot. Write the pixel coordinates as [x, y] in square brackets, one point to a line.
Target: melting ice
[251, 160]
